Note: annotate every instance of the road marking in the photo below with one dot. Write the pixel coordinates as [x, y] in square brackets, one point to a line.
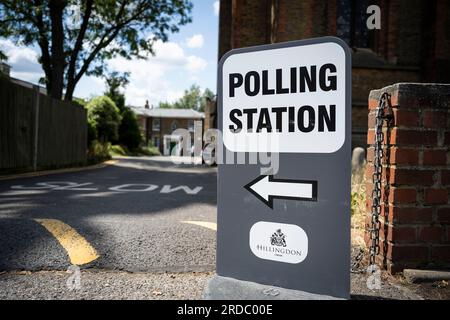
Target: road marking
[169, 189]
[205, 224]
[129, 187]
[58, 185]
[79, 250]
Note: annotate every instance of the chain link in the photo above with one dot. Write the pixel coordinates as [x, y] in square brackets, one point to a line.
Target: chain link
[383, 112]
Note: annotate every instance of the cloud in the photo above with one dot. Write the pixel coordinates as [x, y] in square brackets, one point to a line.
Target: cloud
[159, 78]
[196, 41]
[195, 64]
[23, 61]
[216, 6]
[149, 79]
[170, 52]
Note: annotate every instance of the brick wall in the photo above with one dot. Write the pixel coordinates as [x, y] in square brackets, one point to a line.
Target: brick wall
[415, 219]
[365, 79]
[250, 23]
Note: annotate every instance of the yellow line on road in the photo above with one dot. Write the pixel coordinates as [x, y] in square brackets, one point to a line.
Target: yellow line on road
[79, 250]
[205, 224]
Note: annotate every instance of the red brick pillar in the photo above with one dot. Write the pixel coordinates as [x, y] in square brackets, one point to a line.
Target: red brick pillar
[415, 230]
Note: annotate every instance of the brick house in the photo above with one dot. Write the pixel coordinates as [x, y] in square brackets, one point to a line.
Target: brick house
[157, 125]
[413, 44]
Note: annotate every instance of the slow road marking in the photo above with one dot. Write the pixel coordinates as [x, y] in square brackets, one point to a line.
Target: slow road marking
[79, 250]
[205, 224]
[129, 187]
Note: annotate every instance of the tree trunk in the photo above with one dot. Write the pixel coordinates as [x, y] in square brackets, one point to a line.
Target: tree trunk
[57, 49]
[69, 91]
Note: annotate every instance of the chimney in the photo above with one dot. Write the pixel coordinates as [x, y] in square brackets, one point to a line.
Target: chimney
[146, 105]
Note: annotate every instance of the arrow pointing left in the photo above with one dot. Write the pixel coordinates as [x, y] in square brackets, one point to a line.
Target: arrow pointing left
[267, 188]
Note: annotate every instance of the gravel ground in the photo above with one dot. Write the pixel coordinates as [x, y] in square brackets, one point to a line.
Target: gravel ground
[119, 285]
[100, 285]
[392, 287]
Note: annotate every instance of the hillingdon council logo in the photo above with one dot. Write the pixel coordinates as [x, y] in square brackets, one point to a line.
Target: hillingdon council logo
[278, 239]
[288, 243]
[278, 245]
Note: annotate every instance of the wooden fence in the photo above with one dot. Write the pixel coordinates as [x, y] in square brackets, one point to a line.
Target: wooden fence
[38, 132]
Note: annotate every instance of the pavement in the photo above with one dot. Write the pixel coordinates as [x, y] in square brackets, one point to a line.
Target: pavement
[139, 228]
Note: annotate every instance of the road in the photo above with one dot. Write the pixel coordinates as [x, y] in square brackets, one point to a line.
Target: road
[142, 228]
[138, 215]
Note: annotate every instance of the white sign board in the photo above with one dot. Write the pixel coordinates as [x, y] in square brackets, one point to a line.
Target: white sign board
[289, 99]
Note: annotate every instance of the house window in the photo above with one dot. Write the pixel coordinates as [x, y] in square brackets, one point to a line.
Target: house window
[191, 125]
[174, 126]
[156, 142]
[156, 125]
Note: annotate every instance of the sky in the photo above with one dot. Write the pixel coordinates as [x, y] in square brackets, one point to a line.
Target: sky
[188, 57]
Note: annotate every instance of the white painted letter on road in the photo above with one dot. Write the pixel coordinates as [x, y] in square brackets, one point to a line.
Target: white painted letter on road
[168, 189]
[131, 187]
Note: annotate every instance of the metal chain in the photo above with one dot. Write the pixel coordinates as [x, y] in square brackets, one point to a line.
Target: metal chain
[383, 112]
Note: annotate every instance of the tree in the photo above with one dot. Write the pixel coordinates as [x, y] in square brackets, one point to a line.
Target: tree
[115, 81]
[92, 133]
[82, 102]
[129, 132]
[77, 37]
[192, 99]
[165, 105]
[207, 95]
[104, 115]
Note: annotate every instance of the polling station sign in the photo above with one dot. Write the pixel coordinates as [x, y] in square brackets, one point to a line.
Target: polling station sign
[287, 225]
[298, 102]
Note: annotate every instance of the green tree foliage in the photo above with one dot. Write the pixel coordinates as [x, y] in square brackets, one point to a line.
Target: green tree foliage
[91, 131]
[77, 37]
[82, 102]
[166, 105]
[129, 132]
[114, 82]
[104, 115]
[192, 98]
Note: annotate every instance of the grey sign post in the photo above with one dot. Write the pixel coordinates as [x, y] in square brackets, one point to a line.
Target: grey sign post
[288, 225]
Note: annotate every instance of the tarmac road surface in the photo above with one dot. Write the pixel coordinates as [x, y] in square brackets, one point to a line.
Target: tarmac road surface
[140, 214]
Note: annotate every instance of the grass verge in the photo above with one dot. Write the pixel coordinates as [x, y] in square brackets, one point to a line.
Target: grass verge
[119, 150]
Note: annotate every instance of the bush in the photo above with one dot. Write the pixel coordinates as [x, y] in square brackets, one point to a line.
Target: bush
[105, 117]
[91, 132]
[129, 132]
[150, 151]
[98, 152]
[118, 150]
